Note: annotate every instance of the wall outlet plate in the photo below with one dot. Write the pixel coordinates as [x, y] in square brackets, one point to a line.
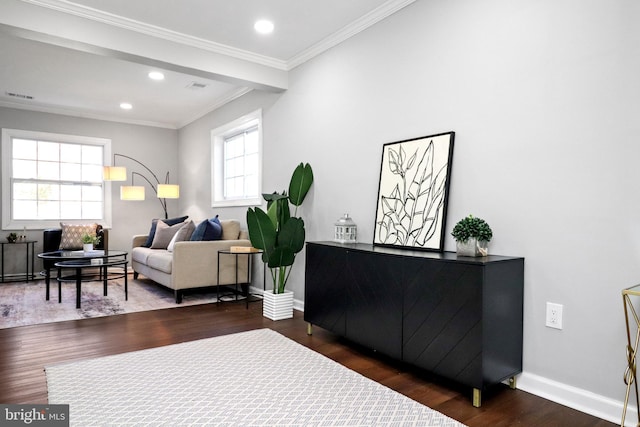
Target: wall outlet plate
[554, 315]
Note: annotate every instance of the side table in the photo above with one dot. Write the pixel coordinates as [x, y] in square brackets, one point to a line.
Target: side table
[30, 248]
[238, 253]
[632, 323]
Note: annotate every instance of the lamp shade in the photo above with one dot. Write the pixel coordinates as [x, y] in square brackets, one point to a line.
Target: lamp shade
[168, 191]
[114, 173]
[131, 192]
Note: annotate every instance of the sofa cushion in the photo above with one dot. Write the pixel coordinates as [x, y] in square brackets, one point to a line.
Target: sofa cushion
[182, 235]
[154, 224]
[209, 229]
[230, 229]
[140, 254]
[160, 259]
[72, 235]
[164, 234]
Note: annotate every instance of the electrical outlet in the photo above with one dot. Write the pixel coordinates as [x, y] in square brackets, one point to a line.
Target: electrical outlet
[554, 315]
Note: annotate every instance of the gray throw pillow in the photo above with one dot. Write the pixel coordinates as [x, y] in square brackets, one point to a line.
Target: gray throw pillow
[183, 234]
[164, 234]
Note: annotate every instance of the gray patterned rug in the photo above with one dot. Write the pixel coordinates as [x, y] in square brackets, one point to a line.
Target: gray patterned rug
[255, 378]
[23, 303]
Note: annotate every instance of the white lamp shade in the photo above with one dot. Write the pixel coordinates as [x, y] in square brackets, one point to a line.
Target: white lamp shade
[131, 192]
[114, 173]
[168, 191]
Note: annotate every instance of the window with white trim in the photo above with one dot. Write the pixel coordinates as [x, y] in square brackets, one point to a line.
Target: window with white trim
[49, 178]
[236, 162]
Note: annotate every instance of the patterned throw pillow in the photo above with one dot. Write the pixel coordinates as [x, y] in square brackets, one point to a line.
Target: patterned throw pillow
[72, 235]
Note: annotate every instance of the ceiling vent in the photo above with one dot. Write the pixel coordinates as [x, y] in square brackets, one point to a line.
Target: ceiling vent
[196, 85]
[19, 95]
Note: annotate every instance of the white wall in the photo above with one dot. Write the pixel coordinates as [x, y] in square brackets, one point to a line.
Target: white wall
[544, 98]
[155, 147]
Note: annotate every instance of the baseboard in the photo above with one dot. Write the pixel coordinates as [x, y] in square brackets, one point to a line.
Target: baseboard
[581, 400]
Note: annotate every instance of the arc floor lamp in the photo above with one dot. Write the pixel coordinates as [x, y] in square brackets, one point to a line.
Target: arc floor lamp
[137, 192]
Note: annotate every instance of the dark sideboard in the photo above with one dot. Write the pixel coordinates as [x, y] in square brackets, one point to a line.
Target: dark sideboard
[457, 317]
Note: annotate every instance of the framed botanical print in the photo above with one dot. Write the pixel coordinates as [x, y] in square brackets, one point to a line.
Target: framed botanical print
[413, 191]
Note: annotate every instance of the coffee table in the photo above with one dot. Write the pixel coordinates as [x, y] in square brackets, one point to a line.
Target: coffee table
[51, 258]
[78, 265]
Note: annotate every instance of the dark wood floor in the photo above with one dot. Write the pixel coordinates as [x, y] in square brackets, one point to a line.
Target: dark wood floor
[26, 350]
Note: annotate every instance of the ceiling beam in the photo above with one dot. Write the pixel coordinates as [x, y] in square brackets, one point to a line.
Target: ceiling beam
[31, 21]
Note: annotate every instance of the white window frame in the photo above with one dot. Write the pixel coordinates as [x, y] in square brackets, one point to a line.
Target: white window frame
[218, 136]
[8, 223]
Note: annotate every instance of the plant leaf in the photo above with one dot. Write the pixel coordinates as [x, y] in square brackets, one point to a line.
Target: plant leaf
[301, 181]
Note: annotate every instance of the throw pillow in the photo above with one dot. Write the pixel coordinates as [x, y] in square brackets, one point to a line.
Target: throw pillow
[154, 223]
[209, 229]
[182, 235]
[164, 234]
[72, 235]
[230, 229]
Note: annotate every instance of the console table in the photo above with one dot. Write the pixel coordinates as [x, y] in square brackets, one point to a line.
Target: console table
[30, 252]
[457, 317]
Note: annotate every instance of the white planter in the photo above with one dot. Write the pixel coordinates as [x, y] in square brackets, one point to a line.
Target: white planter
[277, 306]
[472, 247]
[87, 247]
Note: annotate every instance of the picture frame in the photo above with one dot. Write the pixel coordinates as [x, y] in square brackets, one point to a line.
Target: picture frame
[413, 192]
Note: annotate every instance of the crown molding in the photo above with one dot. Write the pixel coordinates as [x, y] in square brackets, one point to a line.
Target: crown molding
[361, 24]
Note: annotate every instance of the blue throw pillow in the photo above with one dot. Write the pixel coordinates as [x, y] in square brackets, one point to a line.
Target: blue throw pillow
[154, 224]
[209, 229]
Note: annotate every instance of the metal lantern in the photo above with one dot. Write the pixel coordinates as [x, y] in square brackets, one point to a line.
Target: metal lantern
[345, 230]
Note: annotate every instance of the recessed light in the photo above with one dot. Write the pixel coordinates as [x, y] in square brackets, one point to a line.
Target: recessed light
[126, 106]
[156, 75]
[264, 26]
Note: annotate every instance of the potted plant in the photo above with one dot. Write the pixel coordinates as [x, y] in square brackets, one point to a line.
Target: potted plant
[88, 241]
[280, 236]
[12, 237]
[472, 236]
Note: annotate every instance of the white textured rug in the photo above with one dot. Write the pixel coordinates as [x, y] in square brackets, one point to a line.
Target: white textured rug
[24, 303]
[255, 378]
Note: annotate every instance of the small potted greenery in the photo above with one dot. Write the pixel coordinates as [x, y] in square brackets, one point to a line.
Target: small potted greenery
[89, 241]
[12, 237]
[472, 236]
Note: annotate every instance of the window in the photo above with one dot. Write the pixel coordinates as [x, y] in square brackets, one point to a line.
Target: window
[236, 162]
[48, 178]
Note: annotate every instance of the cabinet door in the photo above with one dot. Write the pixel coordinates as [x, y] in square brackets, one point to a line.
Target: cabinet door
[443, 319]
[374, 313]
[325, 282]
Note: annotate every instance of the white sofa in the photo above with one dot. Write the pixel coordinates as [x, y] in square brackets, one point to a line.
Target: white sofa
[192, 264]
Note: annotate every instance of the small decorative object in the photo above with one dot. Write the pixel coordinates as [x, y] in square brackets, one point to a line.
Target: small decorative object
[88, 241]
[12, 237]
[345, 230]
[413, 193]
[472, 236]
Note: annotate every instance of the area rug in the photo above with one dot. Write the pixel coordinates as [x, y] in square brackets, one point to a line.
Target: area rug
[255, 378]
[24, 303]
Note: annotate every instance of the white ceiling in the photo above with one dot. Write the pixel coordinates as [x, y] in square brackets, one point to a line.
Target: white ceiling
[85, 57]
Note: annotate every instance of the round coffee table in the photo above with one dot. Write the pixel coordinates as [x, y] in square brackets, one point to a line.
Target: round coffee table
[51, 258]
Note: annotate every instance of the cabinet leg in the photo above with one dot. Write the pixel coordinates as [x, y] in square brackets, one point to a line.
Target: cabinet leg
[512, 383]
[309, 329]
[477, 397]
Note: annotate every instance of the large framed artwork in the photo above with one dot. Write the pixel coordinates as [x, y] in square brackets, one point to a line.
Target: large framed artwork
[413, 192]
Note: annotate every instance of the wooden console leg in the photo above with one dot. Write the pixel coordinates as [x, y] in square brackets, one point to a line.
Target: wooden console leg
[309, 329]
[477, 397]
[512, 383]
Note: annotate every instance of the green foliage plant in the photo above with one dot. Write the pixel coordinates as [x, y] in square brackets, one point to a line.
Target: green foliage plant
[471, 227]
[276, 232]
[90, 238]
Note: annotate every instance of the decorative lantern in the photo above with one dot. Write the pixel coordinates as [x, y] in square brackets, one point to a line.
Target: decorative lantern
[345, 230]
